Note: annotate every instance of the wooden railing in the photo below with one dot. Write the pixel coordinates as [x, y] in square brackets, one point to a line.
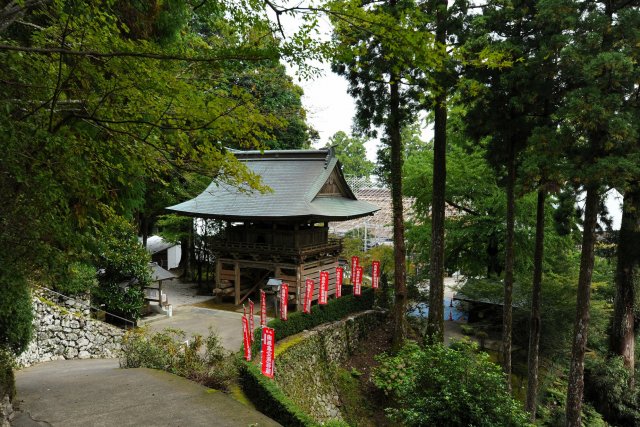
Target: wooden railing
[333, 245]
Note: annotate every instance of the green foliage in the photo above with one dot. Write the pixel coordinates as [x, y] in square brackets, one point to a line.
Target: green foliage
[7, 379]
[124, 270]
[16, 312]
[269, 399]
[335, 309]
[475, 234]
[436, 385]
[141, 103]
[352, 154]
[607, 389]
[77, 279]
[168, 351]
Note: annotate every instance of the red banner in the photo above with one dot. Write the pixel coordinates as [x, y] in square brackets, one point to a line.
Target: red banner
[357, 287]
[355, 262]
[375, 274]
[251, 320]
[284, 301]
[339, 273]
[323, 290]
[263, 309]
[268, 344]
[245, 338]
[308, 296]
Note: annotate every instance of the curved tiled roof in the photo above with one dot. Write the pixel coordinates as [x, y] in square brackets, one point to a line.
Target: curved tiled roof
[295, 177]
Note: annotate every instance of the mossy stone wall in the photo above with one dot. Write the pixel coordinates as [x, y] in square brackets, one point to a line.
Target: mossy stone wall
[305, 364]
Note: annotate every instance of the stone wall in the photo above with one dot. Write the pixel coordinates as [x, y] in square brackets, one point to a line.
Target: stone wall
[6, 411]
[305, 364]
[66, 332]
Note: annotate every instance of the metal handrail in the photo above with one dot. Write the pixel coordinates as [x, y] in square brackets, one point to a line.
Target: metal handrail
[89, 305]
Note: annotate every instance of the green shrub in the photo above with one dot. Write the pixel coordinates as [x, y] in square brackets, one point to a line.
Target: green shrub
[76, 279]
[121, 259]
[16, 312]
[168, 351]
[436, 385]
[7, 380]
[269, 399]
[334, 310]
[607, 388]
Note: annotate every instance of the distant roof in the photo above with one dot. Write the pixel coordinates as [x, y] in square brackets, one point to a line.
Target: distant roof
[380, 226]
[157, 244]
[306, 184]
[158, 273]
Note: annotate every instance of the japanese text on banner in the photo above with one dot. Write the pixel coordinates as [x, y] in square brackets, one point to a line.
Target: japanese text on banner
[284, 301]
[308, 296]
[268, 344]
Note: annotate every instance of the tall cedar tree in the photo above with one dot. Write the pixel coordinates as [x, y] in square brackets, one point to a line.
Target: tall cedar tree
[599, 127]
[628, 261]
[372, 55]
[622, 340]
[435, 325]
[505, 110]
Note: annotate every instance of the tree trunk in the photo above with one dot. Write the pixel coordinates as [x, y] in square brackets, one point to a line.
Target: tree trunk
[435, 323]
[507, 309]
[393, 131]
[576, 371]
[145, 230]
[535, 321]
[622, 340]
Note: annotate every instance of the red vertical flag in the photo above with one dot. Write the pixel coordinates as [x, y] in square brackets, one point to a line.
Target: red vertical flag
[284, 301]
[245, 338]
[268, 344]
[339, 273]
[355, 262]
[251, 320]
[263, 309]
[375, 274]
[308, 296]
[323, 290]
[357, 287]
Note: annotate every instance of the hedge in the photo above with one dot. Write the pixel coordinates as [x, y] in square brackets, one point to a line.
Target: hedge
[265, 394]
[334, 310]
[7, 380]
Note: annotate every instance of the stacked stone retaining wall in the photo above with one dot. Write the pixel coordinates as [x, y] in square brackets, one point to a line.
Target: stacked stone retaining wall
[63, 330]
[305, 364]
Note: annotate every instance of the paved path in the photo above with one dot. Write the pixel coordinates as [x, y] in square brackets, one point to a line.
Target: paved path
[97, 393]
[196, 320]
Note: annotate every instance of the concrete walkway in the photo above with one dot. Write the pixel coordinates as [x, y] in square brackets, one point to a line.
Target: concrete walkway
[196, 320]
[97, 393]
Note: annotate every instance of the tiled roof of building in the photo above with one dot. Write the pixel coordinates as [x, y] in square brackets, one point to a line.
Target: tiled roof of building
[296, 178]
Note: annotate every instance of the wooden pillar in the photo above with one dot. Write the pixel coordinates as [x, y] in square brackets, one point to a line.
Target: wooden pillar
[296, 236]
[236, 282]
[217, 281]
